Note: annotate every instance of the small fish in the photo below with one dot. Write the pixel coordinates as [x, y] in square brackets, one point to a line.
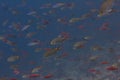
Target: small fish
[112, 68]
[79, 45]
[58, 5]
[52, 52]
[97, 48]
[106, 7]
[93, 58]
[36, 69]
[13, 58]
[31, 13]
[9, 42]
[31, 75]
[72, 20]
[25, 76]
[87, 38]
[58, 40]
[48, 76]
[25, 27]
[92, 70]
[34, 43]
[82, 17]
[34, 75]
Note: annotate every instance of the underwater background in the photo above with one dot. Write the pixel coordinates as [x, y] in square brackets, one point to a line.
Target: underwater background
[59, 39]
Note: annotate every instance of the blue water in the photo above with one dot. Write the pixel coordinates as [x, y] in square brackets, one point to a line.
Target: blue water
[48, 20]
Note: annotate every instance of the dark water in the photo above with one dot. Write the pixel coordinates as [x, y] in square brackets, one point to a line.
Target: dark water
[59, 40]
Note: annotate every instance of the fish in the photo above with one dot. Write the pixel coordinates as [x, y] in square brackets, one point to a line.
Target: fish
[36, 69]
[87, 38]
[82, 17]
[72, 20]
[34, 43]
[13, 58]
[58, 40]
[97, 48]
[34, 75]
[48, 76]
[51, 52]
[78, 45]
[104, 62]
[112, 68]
[58, 5]
[25, 27]
[106, 8]
[93, 58]
[25, 76]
